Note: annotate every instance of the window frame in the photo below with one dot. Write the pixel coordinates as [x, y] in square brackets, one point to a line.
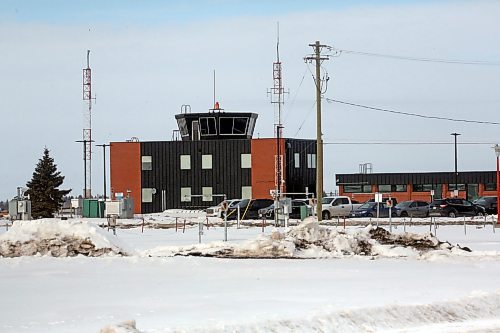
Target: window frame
[145, 164]
[246, 161]
[206, 164]
[296, 160]
[182, 162]
[145, 195]
[186, 191]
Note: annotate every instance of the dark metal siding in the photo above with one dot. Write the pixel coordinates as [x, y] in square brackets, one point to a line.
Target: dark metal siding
[465, 177]
[225, 177]
[298, 178]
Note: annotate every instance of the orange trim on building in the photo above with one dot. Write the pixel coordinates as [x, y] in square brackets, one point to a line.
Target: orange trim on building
[263, 167]
[125, 171]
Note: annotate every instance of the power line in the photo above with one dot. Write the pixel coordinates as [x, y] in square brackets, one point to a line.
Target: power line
[437, 60]
[405, 143]
[305, 118]
[330, 100]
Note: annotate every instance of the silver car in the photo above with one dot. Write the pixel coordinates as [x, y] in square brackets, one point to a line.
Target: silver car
[412, 208]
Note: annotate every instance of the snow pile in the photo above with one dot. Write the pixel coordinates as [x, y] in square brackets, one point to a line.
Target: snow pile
[310, 240]
[58, 238]
[468, 314]
[125, 327]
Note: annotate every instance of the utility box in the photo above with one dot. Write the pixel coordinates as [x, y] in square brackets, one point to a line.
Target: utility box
[77, 203]
[93, 208]
[123, 208]
[303, 212]
[20, 209]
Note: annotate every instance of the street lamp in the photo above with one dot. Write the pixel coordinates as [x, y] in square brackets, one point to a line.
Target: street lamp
[456, 172]
[497, 152]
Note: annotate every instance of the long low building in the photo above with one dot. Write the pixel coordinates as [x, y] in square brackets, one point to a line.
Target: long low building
[417, 185]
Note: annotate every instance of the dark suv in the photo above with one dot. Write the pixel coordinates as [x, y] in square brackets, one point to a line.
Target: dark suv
[249, 209]
[454, 207]
[489, 203]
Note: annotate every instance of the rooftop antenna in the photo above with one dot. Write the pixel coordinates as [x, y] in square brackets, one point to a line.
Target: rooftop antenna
[216, 105]
[277, 92]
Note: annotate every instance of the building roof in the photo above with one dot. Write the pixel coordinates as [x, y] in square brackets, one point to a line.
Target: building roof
[464, 177]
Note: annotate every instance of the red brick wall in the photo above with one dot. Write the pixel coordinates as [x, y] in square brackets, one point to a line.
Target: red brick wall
[263, 166]
[125, 173]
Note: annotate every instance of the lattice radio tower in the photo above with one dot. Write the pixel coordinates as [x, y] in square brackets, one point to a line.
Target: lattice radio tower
[87, 129]
[277, 97]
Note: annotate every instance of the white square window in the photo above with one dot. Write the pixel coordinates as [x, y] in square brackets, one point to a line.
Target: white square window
[206, 162]
[296, 158]
[207, 193]
[147, 194]
[311, 161]
[246, 192]
[185, 162]
[146, 163]
[185, 194]
[246, 161]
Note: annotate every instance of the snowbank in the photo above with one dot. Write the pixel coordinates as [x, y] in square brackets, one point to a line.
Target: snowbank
[310, 240]
[477, 312]
[59, 238]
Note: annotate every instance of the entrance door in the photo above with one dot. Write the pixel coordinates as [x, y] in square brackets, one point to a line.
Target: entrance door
[472, 192]
[438, 191]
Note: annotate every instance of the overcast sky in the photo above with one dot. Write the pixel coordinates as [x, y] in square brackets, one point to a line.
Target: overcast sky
[149, 58]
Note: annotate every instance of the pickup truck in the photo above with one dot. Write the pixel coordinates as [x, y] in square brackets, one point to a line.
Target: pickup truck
[338, 206]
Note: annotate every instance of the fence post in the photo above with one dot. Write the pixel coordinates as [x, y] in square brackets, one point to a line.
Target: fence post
[142, 229]
[184, 227]
[238, 220]
[176, 224]
[465, 227]
[225, 227]
[200, 230]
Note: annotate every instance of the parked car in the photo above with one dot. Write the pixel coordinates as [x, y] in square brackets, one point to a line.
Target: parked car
[489, 203]
[338, 206]
[453, 207]
[369, 209]
[412, 208]
[394, 201]
[249, 209]
[216, 211]
[268, 212]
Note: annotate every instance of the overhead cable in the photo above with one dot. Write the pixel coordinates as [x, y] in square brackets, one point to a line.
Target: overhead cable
[330, 100]
[437, 60]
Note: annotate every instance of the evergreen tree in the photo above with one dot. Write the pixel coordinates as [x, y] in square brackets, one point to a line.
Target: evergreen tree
[43, 190]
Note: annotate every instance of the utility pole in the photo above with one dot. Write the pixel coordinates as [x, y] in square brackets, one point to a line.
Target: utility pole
[104, 165]
[319, 140]
[456, 168]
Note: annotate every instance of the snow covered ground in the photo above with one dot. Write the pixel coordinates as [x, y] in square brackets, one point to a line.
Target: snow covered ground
[450, 292]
